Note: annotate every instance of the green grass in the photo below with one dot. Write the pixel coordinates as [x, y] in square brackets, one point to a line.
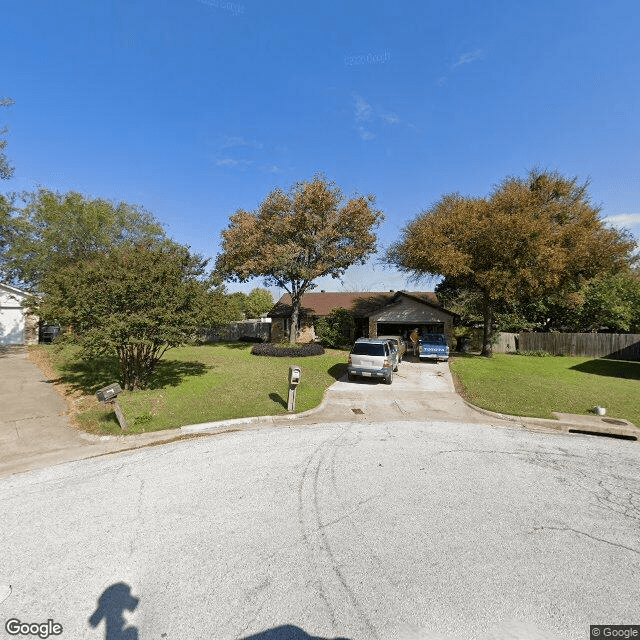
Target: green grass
[197, 384]
[532, 386]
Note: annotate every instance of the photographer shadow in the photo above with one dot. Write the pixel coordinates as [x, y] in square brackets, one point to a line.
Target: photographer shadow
[112, 604]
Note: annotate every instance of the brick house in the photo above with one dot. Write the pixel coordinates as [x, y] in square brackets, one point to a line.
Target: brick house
[375, 313]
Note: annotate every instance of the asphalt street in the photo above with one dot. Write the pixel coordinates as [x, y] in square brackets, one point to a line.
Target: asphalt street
[359, 530]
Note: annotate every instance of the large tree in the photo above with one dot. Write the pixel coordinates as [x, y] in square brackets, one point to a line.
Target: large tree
[531, 237]
[45, 231]
[296, 237]
[133, 302]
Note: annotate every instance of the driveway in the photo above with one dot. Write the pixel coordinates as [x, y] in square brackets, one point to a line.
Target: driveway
[420, 391]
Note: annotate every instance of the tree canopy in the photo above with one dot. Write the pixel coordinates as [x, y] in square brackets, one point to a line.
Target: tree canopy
[134, 302]
[6, 170]
[531, 237]
[45, 231]
[296, 237]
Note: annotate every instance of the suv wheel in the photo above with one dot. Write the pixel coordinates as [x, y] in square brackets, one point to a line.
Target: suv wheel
[389, 378]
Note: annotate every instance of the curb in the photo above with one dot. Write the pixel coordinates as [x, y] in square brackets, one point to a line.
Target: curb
[587, 426]
[221, 426]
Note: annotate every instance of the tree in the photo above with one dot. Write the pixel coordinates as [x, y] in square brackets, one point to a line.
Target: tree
[258, 302]
[133, 302]
[531, 237]
[610, 302]
[6, 170]
[294, 238]
[52, 231]
[337, 329]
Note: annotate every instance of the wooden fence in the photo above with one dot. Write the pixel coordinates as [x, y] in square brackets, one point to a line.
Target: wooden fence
[259, 329]
[618, 346]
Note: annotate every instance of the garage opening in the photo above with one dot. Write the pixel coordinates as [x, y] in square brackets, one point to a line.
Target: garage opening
[404, 328]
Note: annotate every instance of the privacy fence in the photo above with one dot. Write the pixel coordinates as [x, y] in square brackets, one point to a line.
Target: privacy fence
[256, 329]
[619, 346]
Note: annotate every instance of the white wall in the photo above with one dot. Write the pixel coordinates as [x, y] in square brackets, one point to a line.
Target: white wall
[11, 317]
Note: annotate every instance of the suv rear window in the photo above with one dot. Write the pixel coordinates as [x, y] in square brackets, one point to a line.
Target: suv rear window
[368, 349]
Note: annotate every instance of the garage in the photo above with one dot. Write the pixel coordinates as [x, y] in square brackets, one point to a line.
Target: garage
[17, 327]
[406, 312]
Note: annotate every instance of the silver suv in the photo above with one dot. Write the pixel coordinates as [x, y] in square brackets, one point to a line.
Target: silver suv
[371, 358]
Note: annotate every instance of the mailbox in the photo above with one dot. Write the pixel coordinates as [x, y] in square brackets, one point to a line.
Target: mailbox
[294, 375]
[108, 393]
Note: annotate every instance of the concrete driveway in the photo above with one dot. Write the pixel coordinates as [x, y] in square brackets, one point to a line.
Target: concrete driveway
[420, 391]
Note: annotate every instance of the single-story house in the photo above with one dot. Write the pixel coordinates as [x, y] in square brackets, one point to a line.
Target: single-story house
[17, 325]
[375, 313]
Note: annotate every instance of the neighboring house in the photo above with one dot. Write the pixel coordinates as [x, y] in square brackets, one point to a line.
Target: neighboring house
[17, 325]
[375, 313]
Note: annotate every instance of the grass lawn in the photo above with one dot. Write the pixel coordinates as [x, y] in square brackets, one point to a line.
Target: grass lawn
[536, 386]
[192, 385]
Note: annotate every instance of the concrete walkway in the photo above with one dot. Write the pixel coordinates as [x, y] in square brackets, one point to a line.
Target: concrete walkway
[35, 431]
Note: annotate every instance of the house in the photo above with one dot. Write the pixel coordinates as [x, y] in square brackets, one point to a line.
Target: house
[375, 313]
[17, 325]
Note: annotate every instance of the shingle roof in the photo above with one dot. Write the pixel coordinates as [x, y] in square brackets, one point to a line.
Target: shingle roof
[362, 304]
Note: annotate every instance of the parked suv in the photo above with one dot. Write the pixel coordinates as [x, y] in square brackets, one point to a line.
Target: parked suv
[373, 358]
[399, 344]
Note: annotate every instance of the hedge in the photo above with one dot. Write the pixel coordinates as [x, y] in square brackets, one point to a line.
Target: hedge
[287, 351]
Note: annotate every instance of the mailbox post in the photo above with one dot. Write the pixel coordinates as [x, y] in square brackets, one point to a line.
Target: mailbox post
[294, 381]
[109, 395]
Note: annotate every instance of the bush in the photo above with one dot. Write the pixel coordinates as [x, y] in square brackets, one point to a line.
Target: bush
[337, 329]
[287, 350]
[540, 353]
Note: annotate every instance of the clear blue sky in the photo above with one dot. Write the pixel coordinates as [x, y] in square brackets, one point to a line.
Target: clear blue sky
[195, 108]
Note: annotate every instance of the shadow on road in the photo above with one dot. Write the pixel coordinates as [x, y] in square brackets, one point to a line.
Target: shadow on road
[112, 604]
[286, 632]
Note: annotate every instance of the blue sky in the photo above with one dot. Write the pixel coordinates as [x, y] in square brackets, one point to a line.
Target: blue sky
[195, 108]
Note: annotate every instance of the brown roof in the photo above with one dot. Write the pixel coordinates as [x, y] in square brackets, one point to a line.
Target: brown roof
[362, 304]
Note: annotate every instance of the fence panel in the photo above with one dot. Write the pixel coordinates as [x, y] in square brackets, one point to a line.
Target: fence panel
[260, 329]
[619, 346]
[505, 342]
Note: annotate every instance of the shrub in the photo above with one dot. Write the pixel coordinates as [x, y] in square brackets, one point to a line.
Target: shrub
[337, 329]
[540, 353]
[287, 350]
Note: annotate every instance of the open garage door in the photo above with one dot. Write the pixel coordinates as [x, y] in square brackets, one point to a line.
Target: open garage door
[404, 329]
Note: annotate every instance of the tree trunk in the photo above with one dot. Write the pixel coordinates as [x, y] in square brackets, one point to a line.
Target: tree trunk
[294, 321]
[487, 338]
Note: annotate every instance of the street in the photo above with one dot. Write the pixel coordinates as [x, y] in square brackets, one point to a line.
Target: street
[360, 530]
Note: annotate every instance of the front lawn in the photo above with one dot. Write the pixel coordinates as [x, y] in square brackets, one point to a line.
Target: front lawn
[536, 386]
[192, 385]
